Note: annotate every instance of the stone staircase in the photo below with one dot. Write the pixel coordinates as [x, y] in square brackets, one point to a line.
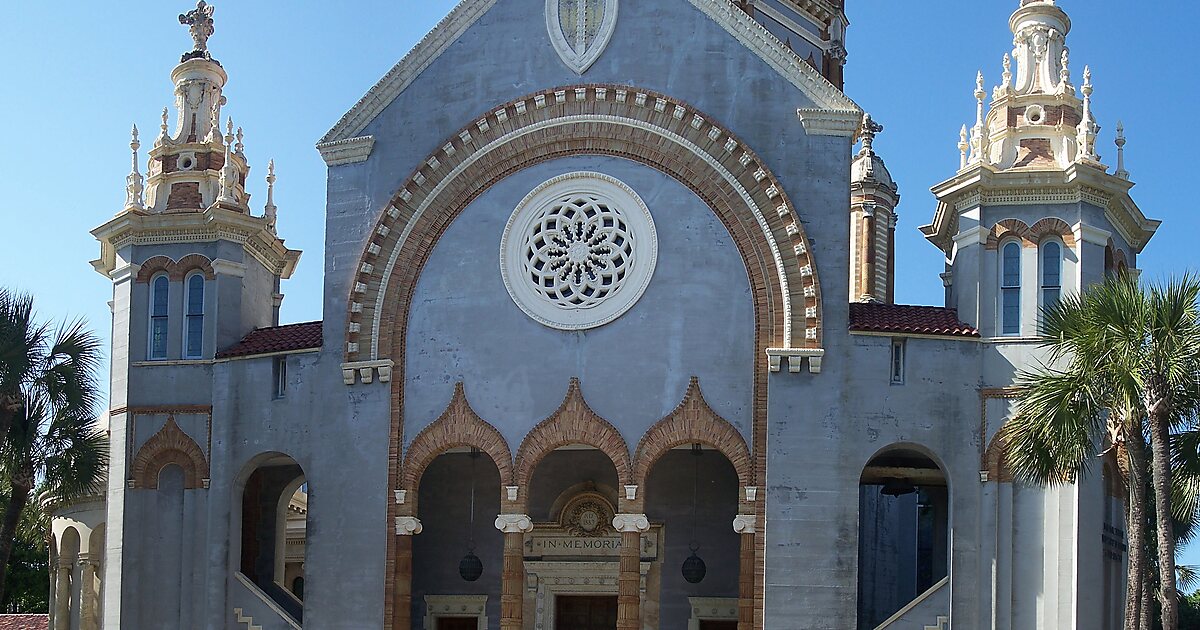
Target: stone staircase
[943, 623]
[249, 621]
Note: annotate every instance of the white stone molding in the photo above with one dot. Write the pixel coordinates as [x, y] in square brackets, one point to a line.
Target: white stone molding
[631, 493]
[347, 151]
[401, 496]
[576, 121]
[542, 216]
[367, 371]
[795, 359]
[745, 524]
[575, 48]
[511, 492]
[751, 493]
[514, 523]
[712, 609]
[626, 523]
[830, 122]
[124, 272]
[745, 29]
[971, 236]
[1086, 233]
[438, 606]
[408, 526]
[222, 267]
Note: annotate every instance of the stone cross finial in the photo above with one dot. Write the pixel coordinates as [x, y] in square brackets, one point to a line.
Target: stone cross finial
[200, 24]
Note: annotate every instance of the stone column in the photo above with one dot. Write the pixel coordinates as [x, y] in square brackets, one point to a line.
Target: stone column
[629, 577]
[62, 594]
[406, 528]
[746, 525]
[87, 592]
[512, 585]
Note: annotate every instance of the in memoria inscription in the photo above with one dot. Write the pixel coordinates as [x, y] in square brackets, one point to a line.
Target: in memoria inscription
[542, 543]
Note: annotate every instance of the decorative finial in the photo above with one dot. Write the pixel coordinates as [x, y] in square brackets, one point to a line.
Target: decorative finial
[1120, 142]
[979, 85]
[239, 146]
[270, 212]
[229, 130]
[1087, 130]
[133, 183]
[214, 123]
[200, 24]
[1064, 74]
[978, 142]
[868, 131]
[1007, 83]
[163, 135]
[963, 146]
[228, 178]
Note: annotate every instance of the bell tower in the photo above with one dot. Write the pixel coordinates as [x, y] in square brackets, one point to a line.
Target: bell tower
[1032, 212]
[873, 199]
[193, 270]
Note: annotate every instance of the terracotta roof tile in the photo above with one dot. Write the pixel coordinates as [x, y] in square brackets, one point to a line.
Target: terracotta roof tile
[276, 339]
[24, 622]
[902, 318]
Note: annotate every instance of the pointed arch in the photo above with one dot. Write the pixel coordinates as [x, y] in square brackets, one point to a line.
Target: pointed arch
[169, 446]
[458, 426]
[993, 461]
[692, 422]
[573, 422]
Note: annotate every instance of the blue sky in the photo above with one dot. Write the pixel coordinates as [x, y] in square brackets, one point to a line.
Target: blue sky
[79, 74]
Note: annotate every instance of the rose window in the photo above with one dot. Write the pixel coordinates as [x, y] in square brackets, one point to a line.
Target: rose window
[578, 251]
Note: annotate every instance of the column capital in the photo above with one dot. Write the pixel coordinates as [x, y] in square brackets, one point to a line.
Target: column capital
[514, 523]
[626, 523]
[408, 526]
[745, 524]
[86, 559]
[65, 562]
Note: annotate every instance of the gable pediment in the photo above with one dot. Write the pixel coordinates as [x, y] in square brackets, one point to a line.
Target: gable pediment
[743, 28]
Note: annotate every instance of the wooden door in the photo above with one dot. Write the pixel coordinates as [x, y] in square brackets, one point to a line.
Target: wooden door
[574, 612]
[457, 623]
[713, 624]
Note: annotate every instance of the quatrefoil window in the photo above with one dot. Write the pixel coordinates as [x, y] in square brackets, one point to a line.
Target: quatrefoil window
[578, 251]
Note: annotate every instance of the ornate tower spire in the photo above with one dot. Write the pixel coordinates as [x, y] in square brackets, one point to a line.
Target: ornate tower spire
[1039, 30]
[873, 199]
[133, 183]
[1088, 128]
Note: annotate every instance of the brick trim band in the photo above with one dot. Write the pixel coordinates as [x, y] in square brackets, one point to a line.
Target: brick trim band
[169, 446]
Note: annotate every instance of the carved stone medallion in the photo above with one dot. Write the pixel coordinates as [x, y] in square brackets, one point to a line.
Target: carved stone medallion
[580, 30]
[587, 516]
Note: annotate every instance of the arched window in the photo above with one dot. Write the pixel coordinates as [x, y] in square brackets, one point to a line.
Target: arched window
[159, 294]
[1010, 289]
[193, 338]
[1051, 273]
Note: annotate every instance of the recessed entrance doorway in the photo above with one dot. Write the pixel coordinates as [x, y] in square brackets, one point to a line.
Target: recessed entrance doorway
[457, 623]
[585, 612]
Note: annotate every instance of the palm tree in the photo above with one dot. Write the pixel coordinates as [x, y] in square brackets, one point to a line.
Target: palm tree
[52, 396]
[1122, 366]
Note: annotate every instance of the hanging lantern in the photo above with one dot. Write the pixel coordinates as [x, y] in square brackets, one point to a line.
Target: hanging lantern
[694, 568]
[471, 567]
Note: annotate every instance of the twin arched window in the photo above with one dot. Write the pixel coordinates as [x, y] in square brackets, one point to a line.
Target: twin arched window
[160, 316]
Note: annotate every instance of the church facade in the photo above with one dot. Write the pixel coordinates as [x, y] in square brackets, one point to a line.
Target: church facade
[609, 341]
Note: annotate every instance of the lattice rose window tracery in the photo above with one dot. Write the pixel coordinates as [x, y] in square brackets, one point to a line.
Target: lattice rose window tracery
[578, 251]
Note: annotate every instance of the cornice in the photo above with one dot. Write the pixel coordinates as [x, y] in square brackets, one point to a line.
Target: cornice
[348, 151]
[830, 122]
[984, 185]
[214, 224]
[736, 22]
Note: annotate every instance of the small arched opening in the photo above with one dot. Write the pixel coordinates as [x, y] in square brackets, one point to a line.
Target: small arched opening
[273, 524]
[903, 532]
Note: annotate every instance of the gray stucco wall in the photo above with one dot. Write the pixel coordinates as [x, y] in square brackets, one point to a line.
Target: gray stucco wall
[695, 318]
